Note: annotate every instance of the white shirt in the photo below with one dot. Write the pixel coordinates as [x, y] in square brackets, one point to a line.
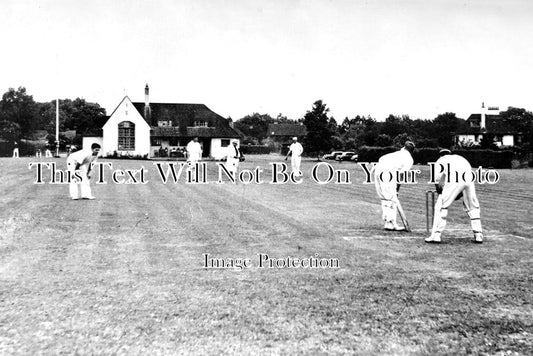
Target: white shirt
[296, 149]
[396, 161]
[457, 166]
[82, 157]
[194, 150]
[231, 152]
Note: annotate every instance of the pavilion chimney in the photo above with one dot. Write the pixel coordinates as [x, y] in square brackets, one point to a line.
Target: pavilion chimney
[147, 111]
[482, 124]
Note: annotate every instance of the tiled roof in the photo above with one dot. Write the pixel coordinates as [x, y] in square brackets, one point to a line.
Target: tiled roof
[185, 118]
[179, 114]
[164, 131]
[222, 132]
[286, 130]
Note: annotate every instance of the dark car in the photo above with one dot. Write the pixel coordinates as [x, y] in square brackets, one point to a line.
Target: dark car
[346, 156]
[332, 155]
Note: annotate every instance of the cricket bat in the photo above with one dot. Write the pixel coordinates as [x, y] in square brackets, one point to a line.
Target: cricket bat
[402, 216]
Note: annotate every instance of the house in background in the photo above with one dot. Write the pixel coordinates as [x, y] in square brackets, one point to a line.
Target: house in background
[488, 122]
[160, 129]
[280, 135]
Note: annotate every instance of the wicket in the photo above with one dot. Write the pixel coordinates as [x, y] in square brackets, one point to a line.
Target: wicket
[430, 211]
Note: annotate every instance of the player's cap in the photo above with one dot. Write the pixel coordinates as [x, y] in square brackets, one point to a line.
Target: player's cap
[295, 138]
[410, 146]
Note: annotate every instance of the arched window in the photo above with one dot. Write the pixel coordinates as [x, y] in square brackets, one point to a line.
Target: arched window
[126, 136]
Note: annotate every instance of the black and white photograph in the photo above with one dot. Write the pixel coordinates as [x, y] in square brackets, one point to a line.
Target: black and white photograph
[274, 177]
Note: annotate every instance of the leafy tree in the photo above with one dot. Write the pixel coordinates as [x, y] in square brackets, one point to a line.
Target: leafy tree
[395, 125]
[358, 131]
[384, 140]
[282, 119]
[332, 126]
[318, 139]
[344, 126]
[20, 108]
[400, 140]
[522, 121]
[370, 131]
[444, 128]
[254, 126]
[84, 117]
[9, 130]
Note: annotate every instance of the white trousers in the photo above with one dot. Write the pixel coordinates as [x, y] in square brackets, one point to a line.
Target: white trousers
[295, 164]
[388, 195]
[231, 165]
[75, 186]
[470, 203]
[15, 153]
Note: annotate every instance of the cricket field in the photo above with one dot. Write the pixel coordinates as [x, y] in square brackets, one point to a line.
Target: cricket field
[260, 268]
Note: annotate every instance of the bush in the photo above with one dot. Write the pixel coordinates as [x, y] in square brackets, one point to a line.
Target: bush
[485, 158]
[488, 158]
[372, 154]
[255, 149]
[426, 154]
[26, 148]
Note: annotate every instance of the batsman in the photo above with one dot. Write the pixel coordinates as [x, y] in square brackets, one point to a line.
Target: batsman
[390, 165]
[450, 184]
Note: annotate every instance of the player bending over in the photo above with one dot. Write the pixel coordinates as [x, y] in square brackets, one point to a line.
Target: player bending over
[392, 163]
[454, 190]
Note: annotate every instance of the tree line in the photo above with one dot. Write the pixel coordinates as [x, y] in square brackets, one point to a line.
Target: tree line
[22, 117]
[325, 134]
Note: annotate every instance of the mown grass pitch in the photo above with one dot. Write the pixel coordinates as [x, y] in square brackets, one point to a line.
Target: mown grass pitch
[124, 273]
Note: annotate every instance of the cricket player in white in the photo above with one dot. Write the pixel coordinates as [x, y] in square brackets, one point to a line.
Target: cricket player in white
[295, 150]
[387, 189]
[452, 189]
[194, 154]
[233, 157]
[81, 161]
[194, 151]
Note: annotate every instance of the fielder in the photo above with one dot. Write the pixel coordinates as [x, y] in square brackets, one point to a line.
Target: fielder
[194, 153]
[387, 189]
[454, 190]
[295, 150]
[15, 150]
[233, 157]
[80, 162]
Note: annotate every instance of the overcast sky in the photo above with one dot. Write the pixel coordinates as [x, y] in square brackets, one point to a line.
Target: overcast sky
[418, 57]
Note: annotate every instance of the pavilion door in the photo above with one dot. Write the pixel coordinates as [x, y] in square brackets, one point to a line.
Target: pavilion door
[206, 143]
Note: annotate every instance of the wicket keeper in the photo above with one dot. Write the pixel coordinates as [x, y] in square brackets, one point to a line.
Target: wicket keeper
[453, 189]
[390, 165]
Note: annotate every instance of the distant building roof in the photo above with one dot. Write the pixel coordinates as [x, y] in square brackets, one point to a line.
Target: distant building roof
[286, 130]
[494, 124]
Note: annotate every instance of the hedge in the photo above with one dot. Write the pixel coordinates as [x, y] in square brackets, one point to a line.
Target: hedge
[26, 148]
[477, 157]
[254, 149]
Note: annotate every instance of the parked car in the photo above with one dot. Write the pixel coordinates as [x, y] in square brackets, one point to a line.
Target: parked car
[332, 155]
[345, 156]
[354, 158]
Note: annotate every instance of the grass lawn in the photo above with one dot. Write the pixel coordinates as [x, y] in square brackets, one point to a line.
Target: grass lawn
[124, 274]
